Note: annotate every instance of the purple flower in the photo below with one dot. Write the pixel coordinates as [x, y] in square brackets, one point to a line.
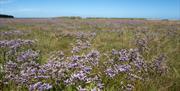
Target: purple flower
[41, 77]
[124, 55]
[123, 68]
[159, 64]
[40, 86]
[72, 65]
[79, 75]
[93, 54]
[11, 65]
[27, 55]
[13, 32]
[139, 63]
[80, 45]
[14, 44]
[75, 50]
[75, 58]
[110, 72]
[42, 71]
[87, 69]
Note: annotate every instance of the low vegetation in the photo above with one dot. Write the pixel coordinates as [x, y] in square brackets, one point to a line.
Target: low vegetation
[75, 54]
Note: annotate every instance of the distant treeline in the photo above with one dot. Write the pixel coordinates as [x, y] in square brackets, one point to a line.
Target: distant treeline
[78, 17]
[6, 16]
[70, 17]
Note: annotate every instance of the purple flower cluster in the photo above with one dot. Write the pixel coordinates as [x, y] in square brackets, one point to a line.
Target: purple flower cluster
[29, 54]
[77, 70]
[85, 35]
[142, 44]
[110, 72]
[14, 44]
[122, 68]
[80, 45]
[118, 69]
[24, 73]
[128, 59]
[132, 64]
[159, 64]
[13, 32]
[55, 69]
[84, 65]
[124, 55]
[40, 86]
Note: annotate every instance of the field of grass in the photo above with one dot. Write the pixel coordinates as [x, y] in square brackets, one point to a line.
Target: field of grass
[62, 54]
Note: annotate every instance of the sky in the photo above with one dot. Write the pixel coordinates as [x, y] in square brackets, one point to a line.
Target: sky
[164, 9]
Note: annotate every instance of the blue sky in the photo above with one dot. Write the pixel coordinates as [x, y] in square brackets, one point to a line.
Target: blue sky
[92, 8]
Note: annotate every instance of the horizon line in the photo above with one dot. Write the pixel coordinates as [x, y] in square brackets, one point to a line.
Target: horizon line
[101, 17]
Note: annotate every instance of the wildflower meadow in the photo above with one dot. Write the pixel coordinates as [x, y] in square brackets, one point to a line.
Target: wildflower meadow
[79, 54]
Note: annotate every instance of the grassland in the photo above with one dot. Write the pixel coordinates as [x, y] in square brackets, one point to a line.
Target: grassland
[152, 38]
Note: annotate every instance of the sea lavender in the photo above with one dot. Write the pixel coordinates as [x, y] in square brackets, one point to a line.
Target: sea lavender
[14, 44]
[29, 54]
[122, 68]
[79, 75]
[80, 45]
[13, 32]
[142, 44]
[110, 72]
[40, 86]
[86, 69]
[93, 54]
[159, 64]
[124, 55]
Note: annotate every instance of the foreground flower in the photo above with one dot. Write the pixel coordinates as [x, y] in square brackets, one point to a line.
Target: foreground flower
[110, 72]
[40, 86]
[29, 54]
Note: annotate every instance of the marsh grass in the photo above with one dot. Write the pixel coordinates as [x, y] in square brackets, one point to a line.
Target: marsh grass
[162, 37]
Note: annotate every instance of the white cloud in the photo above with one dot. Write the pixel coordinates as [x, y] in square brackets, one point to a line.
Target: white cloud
[6, 1]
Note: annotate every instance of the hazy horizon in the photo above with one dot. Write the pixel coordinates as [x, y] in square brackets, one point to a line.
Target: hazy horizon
[153, 9]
